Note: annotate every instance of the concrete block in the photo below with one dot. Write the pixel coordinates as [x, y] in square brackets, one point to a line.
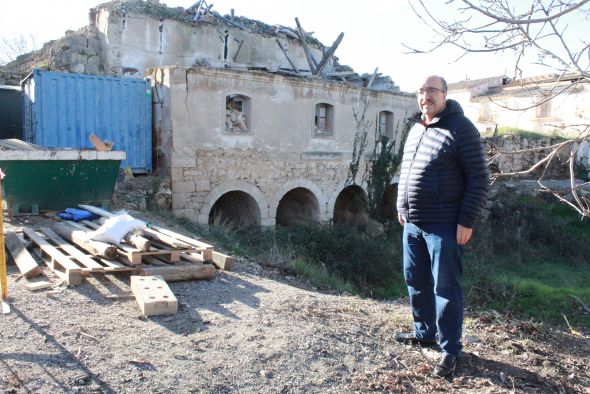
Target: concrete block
[179, 200]
[153, 295]
[203, 185]
[94, 44]
[92, 69]
[94, 60]
[183, 186]
[78, 68]
[89, 52]
[183, 161]
[185, 213]
[177, 173]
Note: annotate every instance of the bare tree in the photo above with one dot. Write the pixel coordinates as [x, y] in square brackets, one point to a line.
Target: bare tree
[537, 29]
[14, 46]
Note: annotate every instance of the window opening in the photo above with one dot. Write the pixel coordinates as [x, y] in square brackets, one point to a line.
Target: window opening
[324, 118]
[385, 124]
[237, 113]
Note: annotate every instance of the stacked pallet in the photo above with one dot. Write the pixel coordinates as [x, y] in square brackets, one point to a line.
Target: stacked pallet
[71, 254]
[152, 258]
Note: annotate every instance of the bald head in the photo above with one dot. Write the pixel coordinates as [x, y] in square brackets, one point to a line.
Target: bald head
[432, 97]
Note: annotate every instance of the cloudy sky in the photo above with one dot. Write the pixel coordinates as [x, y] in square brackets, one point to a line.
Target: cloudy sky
[374, 31]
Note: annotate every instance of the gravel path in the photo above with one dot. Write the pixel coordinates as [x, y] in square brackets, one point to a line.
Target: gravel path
[255, 330]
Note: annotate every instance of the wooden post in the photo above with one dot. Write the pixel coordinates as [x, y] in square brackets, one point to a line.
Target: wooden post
[3, 278]
[329, 54]
[238, 51]
[372, 78]
[287, 56]
[310, 59]
[80, 238]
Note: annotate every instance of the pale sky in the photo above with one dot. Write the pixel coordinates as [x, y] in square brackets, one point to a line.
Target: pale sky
[374, 31]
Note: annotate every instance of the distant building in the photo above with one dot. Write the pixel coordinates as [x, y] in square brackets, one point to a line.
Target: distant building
[545, 104]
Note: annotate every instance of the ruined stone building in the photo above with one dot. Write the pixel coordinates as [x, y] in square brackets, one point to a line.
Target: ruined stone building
[253, 124]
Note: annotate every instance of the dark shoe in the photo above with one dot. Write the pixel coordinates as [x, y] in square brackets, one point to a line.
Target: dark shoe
[446, 366]
[409, 338]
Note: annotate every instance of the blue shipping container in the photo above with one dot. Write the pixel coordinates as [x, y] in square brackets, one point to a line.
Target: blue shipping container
[62, 110]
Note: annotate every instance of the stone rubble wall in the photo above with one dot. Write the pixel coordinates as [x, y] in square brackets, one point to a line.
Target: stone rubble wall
[195, 189]
[522, 161]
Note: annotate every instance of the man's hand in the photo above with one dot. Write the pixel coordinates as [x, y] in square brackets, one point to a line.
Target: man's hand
[463, 234]
[400, 218]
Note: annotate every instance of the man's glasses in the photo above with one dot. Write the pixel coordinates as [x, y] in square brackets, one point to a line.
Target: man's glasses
[430, 91]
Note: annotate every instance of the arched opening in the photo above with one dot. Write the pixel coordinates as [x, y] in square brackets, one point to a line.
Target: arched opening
[235, 210]
[351, 207]
[298, 206]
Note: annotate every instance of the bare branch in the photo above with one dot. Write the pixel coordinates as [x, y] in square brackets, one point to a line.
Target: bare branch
[527, 21]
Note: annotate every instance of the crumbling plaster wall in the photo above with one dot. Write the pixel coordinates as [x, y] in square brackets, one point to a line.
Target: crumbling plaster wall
[132, 42]
[280, 152]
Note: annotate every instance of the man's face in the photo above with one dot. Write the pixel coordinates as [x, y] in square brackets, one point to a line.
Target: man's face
[431, 97]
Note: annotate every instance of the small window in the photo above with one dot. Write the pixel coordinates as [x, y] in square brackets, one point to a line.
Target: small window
[237, 113]
[324, 119]
[544, 109]
[386, 124]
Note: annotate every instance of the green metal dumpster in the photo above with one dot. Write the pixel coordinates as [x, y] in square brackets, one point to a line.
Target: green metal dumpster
[55, 179]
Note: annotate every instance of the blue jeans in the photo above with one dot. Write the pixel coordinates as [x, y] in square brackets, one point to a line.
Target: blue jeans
[432, 269]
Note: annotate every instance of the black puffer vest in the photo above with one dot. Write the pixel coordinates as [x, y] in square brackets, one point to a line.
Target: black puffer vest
[444, 177]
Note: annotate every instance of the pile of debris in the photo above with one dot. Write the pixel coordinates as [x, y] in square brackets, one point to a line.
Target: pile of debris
[202, 12]
[152, 255]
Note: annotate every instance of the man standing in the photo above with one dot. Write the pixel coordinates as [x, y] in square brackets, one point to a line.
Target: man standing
[442, 189]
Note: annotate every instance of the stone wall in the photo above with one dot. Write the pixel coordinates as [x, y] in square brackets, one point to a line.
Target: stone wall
[136, 36]
[279, 153]
[76, 52]
[506, 163]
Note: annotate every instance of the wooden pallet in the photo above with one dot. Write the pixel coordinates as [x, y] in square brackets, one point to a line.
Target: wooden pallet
[163, 246]
[67, 261]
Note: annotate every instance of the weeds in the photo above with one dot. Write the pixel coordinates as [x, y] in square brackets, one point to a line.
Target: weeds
[529, 258]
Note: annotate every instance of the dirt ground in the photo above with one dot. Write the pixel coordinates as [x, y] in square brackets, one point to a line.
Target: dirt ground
[255, 330]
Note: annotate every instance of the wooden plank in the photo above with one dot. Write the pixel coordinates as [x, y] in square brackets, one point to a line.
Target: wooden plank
[184, 272]
[328, 55]
[222, 261]
[135, 257]
[372, 79]
[153, 234]
[287, 56]
[74, 252]
[153, 295]
[302, 37]
[82, 239]
[184, 238]
[26, 264]
[193, 257]
[59, 263]
[115, 266]
[96, 210]
[163, 231]
[238, 51]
